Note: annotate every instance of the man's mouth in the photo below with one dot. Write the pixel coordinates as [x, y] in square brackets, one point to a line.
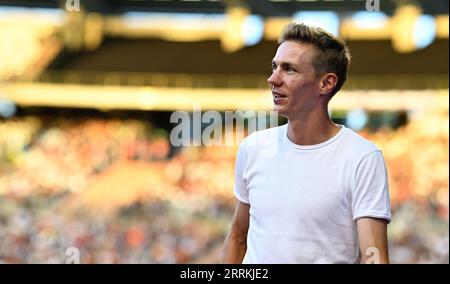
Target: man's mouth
[278, 95]
[279, 99]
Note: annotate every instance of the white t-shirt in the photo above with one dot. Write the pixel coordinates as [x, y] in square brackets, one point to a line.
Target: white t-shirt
[304, 200]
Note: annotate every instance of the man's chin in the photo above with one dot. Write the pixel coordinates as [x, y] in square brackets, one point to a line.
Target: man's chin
[280, 111]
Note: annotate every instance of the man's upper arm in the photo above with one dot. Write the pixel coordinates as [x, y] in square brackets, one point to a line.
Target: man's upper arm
[370, 193]
[240, 224]
[372, 237]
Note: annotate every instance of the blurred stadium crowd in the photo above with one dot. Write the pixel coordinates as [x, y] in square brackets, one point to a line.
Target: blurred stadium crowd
[110, 188]
[61, 185]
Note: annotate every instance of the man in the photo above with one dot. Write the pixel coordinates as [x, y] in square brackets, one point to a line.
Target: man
[323, 197]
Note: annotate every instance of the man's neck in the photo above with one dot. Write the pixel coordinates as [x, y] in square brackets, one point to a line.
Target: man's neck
[312, 129]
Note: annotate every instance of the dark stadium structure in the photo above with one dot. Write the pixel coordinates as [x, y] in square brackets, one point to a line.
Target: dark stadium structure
[259, 7]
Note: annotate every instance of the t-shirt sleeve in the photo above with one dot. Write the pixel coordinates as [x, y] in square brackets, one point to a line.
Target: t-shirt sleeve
[240, 186]
[370, 195]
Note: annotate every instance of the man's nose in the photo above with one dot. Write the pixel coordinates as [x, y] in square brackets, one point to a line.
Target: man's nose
[274, 79]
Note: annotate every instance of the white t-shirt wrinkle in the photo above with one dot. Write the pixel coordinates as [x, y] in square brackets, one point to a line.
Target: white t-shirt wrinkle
[304, 200]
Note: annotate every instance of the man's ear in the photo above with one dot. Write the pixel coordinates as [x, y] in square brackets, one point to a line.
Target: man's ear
[327, 83]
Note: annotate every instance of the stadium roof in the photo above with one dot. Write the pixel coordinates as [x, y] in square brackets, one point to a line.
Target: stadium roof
[260, 7]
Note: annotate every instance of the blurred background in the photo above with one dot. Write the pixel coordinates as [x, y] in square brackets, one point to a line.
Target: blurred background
[86, 93]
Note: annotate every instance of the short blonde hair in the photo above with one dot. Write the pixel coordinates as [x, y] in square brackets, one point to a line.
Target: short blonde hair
[332, 54]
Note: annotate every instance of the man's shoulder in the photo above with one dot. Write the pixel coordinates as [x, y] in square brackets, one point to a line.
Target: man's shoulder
[360, 144]
[262, 141]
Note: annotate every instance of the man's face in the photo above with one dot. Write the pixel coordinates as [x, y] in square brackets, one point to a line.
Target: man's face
[295, 88]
